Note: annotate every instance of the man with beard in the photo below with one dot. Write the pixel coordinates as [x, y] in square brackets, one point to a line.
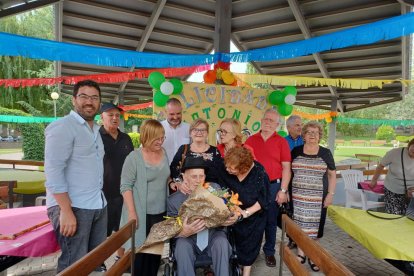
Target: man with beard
[117, 146]
[74, 177]
[177, 132]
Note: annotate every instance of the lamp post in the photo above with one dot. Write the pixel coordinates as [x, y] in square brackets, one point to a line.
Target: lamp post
[54, 96]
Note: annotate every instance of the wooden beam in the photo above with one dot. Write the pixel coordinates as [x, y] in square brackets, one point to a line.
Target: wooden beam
[222, 26]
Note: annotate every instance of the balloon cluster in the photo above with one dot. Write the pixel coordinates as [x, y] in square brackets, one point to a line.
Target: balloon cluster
[164, 88]
[283, 100]
[220, 74]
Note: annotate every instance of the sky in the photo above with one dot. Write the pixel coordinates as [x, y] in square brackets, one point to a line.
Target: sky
[235, 67]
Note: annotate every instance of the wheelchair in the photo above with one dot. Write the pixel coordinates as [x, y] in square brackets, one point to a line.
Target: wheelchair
[203, 260]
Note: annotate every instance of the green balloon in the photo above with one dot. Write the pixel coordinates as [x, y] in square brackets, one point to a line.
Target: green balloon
[285, 109]
[291, 90]
[276, 97]
[160, 99]
[155, 79]
[282, 133]
[178, 86]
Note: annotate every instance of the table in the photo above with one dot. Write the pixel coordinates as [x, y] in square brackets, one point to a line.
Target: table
[30, 184]
[378, 189]
[39, 242]
[385, 239]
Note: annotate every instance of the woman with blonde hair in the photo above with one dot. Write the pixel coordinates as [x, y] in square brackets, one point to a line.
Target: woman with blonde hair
[230, 134]
[313, 184]
[144, 187]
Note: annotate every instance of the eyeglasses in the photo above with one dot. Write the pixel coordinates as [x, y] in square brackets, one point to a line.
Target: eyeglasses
[85, 97]
[161, 139]
[199, 130]
[222, 131]
[316, 133]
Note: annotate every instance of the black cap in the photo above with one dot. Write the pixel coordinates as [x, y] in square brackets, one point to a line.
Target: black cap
[194, 163]
[107, 106]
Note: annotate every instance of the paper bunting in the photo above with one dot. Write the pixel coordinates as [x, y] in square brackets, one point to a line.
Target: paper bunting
[25, 119]
[390, 28]
[136, 106]
[315, 116]
[138, 116]
[104, 78]
[375, 122]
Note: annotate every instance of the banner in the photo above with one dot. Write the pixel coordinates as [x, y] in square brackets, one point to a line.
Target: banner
[375, 122]
[217, 102]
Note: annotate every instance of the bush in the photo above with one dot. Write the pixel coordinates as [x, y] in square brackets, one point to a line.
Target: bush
[404, 139]
[385, 133]
[135, 139]
[33, 136]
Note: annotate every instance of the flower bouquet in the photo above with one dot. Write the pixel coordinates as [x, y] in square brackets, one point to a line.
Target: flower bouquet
[212, 205]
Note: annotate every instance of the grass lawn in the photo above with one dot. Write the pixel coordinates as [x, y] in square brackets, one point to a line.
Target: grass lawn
[6, 151]
[342, 153]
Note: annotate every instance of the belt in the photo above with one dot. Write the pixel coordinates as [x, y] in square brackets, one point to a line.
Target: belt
[277, 180]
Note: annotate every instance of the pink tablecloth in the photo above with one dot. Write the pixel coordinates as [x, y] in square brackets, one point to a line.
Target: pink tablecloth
[379, 189]
[39, 242]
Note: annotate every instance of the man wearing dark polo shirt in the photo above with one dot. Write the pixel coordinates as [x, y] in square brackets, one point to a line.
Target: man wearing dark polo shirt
[273, 152]
[117, 146]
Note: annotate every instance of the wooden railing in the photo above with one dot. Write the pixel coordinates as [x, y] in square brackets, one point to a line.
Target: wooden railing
[21, 163]
[96, 257]
[321, 257]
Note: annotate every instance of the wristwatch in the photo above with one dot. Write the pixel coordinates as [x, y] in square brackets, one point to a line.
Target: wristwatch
[283, 190]
[247, 213]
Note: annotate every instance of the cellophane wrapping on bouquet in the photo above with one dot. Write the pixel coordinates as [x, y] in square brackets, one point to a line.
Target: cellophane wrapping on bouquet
[201, 204]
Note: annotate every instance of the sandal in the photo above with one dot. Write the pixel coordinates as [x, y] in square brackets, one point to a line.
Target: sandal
[314, 267]
[302, 259]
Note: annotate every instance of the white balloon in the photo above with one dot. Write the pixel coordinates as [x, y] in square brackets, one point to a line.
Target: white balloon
[167, 88]
[290, 99]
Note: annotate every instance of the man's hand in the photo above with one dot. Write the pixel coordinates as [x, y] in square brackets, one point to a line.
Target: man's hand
[281, 197]
[67, 221]
[231, 220]
[190, 229]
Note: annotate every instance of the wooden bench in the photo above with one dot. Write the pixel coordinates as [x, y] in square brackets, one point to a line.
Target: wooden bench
[340, 142]
[377, 142]
[321, 257]
[96, 257]
[358, 142]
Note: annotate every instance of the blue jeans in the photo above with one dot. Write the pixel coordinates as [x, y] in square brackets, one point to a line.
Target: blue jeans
[271, 220]
[90, 232]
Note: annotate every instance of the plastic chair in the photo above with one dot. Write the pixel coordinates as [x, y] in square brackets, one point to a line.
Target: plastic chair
[354, 196]
[40, 200]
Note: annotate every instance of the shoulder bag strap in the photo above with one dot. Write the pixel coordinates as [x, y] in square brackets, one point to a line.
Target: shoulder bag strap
[403, 171]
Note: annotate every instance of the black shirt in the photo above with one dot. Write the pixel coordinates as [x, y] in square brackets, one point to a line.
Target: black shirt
[115, 153]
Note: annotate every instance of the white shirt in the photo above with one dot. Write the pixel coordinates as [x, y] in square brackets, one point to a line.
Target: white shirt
[175, 137]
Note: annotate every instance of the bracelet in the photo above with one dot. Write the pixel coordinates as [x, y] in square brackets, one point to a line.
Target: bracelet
[247, 213]
[240, 218]
[331, 193]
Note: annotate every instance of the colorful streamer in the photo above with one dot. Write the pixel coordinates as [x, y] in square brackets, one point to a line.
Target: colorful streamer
[310, 116]
[391, 28]
[104, 78]
[136, 106]
[25, 119]
[138, 116]
[308, 81]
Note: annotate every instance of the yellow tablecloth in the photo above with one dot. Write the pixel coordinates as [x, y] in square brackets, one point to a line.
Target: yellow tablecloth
[385, 239]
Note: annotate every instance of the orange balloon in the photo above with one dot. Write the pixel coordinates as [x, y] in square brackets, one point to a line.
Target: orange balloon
[209, 76]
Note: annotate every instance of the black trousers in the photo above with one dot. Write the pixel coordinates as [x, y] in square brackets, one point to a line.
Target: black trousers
[148, 264]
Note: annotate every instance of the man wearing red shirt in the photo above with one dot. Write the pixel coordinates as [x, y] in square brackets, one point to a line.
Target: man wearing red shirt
[273, 152]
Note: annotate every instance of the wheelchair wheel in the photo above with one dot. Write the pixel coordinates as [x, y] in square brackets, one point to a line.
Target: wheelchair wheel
[167, 270]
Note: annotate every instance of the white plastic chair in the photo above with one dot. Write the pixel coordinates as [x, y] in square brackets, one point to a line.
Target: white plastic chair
[40, 200]
[354, 196]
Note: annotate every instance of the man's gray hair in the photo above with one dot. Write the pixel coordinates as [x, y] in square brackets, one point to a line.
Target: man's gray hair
[291, 120]
[271, 110]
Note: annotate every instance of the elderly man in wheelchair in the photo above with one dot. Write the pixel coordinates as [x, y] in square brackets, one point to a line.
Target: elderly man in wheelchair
[195, 239]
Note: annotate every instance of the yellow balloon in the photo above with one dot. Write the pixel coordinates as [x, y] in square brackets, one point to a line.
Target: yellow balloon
[227, 76]
[328, 119]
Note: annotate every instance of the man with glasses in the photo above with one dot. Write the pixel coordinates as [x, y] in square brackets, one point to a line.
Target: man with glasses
[272, 151]
[176, 131]
[117, 145]
[74, 177]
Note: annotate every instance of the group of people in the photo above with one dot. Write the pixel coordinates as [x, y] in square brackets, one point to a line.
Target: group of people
[96, 181]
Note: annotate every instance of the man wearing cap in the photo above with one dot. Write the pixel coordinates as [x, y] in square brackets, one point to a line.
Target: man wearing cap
[74, 176]
[177, 132]
[117, 146]
[188, 244]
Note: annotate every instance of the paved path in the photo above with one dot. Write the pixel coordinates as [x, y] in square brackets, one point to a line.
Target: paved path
[337, 242]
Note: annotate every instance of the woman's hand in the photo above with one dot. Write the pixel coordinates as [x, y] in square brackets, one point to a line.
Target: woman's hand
[328, 200]
[373, 183]
[281, 197]
[231, 220]
[131, 216]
